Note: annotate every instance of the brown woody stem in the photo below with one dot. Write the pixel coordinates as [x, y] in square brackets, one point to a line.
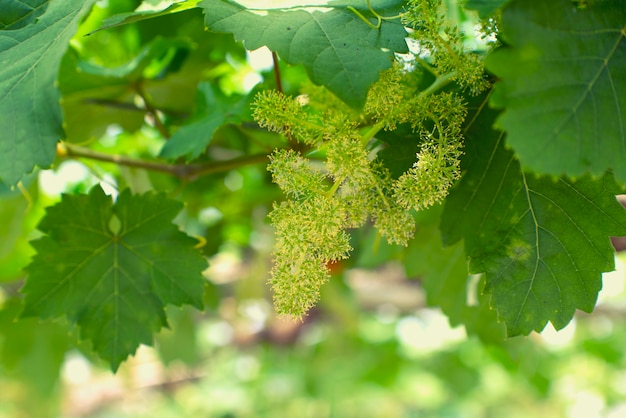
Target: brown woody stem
[183, 171]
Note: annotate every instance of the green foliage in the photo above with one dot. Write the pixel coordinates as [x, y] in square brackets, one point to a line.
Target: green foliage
[561, 86]
[20, 220]
[17, 15]
[542, 242]
[31, 48]
[132, 17]
[485, 7]
[444, 275]
[31, 349]
[369, 137]
[332, 45]
[213, 110]
[112, 268]
[32, 352]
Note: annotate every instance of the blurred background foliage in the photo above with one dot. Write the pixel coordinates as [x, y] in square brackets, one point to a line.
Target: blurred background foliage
[374, 347]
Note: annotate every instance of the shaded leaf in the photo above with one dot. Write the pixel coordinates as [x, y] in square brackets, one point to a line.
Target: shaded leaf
[485, 8]
[443, 273]
[17, 14]
[30, 350]
[112, 268]
[562, 86]
[542, 243]
[213, 109]
[19, 220]
[30, 115]
[400, 152]
[94, 97]
[336, 47]
[180, 342]
[166, 69]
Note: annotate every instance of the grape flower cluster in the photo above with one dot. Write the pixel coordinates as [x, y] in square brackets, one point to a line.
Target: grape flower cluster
[334, 180]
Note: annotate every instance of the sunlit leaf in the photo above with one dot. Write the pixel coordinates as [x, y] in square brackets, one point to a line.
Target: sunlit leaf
[213, 109]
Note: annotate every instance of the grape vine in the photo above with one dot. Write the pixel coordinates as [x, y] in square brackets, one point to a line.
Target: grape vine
[504, 120]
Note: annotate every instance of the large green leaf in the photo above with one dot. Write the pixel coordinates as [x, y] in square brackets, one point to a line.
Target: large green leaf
[541, 242]
[337, 48]
[112, 268]
[562, 85]
[30, 115]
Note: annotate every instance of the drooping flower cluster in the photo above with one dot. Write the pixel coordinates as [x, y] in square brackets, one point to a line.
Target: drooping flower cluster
[438, 160]
[309, 234]
[331, 174]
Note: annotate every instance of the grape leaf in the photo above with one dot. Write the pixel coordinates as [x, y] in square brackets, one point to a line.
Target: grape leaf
[112, 268]
[30, 120]
[541, 242]
[17, 14]
[337, 48]
[443, 272]
[400, 152]
[562, 86]
[213, 109]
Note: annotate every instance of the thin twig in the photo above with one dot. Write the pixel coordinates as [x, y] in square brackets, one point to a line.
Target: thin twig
[277, 78]
[131, 106]
[183, 171]
[152, 111]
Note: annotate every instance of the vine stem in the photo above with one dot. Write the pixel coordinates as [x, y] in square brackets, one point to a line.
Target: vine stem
[331, 192]
[427, 66]
[152, 111]
[439, 83]
[183, 171]
[371, 132]
[27, 196]
[277, 78]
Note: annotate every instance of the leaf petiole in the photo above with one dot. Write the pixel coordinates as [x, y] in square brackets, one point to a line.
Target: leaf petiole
[379, 18]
